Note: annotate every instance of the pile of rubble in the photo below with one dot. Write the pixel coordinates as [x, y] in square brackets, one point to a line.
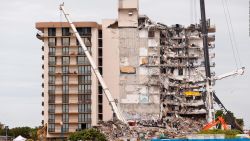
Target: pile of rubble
[170, 127]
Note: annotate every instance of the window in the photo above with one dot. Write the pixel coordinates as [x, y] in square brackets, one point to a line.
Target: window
[52, 60]
[100, 89]
[84, 31]
[51, 127]
[99, 33]
[52, 51]
[65, 31]
[52, 79]
[52, 42]
[84, 89]
[51, 31]
[84, 98]
[52, 89]
[100, 52]
[65, 98]
[65, 127]
[82, 60]
[100, 99]
[99, 42]
[84, 117]
[51, 108]
[86, 70]
[65, 69]
[65, 41]
[84, 108]
[65, 50]
[100, 117]
[80, 50]
[151, 33]
[65, 89]
[65, 118]
[86, 41]
[172, 70]
[65, 79]
[180, 71]
[51, 118]
[65, 60]
[65, 108]
[52, 98]
[52, 70]
[82, 126]
[84, 79]
[100, 108]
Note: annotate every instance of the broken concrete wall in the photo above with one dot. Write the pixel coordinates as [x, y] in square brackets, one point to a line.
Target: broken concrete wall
[138, 95]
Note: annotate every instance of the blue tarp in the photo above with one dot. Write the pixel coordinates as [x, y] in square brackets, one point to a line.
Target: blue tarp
[238, 139]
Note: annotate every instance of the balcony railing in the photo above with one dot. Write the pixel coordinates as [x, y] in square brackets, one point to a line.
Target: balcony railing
[85, 82]
[83, 63]
[84, 91]
[52, 63]
[52, 53]
[51, 91]
[84, 73]
[65, 62]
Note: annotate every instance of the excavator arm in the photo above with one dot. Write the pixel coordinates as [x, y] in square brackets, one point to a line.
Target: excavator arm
[215, 122]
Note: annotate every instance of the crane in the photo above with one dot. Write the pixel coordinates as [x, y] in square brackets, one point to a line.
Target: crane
[94, 67]
[229, 117]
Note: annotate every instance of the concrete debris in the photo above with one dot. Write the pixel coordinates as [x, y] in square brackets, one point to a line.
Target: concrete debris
[128, 70]
[169, 127]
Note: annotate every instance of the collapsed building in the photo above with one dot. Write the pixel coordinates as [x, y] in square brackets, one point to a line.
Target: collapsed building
[153, 71]
[161, 67]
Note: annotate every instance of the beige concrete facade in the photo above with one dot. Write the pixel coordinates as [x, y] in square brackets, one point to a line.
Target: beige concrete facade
[70, 88]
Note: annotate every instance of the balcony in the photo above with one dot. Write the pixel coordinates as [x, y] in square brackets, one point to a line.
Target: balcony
[40, 35]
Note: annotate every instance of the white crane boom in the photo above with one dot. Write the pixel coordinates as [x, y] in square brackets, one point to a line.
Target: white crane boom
[94, 68]
[233, 73]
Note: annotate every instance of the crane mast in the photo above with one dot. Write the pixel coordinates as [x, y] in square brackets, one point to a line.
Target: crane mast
[209, 94]
[94, 67]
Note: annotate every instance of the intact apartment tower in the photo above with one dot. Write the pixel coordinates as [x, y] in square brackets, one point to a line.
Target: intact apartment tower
[152, 70]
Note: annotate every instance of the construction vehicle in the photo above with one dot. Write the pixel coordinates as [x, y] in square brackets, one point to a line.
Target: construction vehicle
[219, 120]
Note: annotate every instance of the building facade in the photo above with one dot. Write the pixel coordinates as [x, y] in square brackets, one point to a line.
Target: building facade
[72, 99]
[153, 71]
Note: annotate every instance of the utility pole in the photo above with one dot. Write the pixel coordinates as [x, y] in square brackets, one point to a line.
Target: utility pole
[6, 129]
[209, 94]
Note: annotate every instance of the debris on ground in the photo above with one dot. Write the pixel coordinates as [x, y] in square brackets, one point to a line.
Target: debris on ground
[174, 127]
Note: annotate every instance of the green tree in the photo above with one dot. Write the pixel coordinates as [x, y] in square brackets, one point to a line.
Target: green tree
[1, 125]
[23, 131]
[87, 134]
[227, 120]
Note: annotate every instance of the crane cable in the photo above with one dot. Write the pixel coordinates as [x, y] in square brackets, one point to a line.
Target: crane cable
[234, 38]
[231, 33]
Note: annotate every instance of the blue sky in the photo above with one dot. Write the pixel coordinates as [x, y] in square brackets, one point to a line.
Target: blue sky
[20, 56]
